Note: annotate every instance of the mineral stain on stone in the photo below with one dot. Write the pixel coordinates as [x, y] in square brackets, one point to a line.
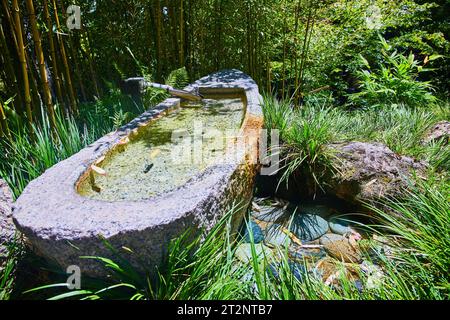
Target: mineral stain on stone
[145, 166]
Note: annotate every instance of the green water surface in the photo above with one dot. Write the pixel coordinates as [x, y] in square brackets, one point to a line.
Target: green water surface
[166, 154]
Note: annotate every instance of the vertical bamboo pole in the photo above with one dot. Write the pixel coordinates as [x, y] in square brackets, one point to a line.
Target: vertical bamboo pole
[53, 53]
[41, 63]
[4, 129]
[181, 23]
[68, 78]
[284, 51]
[9, 70]
[158, 39]
[23, 64]
[91, 65]
[76, 64]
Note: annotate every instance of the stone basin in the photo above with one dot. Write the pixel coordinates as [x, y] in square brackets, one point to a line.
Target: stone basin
[62, 222]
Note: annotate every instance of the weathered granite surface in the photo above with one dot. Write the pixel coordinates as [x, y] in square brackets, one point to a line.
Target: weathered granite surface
[62, 225]
[370, 171]
[7, 228]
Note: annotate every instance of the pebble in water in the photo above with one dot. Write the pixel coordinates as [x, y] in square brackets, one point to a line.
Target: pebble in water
[269, 214]
[276, 237]
[343, 250]
[330, 237]
[308, 227]
[244, 252]
[308, 254]
[340, 225]
[296, 269]
[252, 228]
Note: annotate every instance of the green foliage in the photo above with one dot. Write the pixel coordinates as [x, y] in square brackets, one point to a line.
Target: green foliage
[393, 82]
[7, 272]
[178, 79]
[419, 224]
[25, 157]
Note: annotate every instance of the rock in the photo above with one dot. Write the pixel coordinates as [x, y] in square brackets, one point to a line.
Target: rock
[330, 237]
[252, 228]
[340, 225]
[244, 252]
[317, 209]
[276, 237]
[359, 285]
[307, 254]
[374, 273]
[343, 250]
[270, 214]
[369, 171]
[326, 268]
[440, 131]
[298, 270]
[308, 227]
[331, 271]
[6, 223]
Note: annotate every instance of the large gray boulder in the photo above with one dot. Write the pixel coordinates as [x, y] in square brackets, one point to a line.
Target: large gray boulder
[6, 223]
[439, 132]
[370, 171]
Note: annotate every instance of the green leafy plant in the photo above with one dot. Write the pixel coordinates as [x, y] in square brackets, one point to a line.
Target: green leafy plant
[393, 82]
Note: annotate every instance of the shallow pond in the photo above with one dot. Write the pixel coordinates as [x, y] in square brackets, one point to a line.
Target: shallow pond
[167, 152]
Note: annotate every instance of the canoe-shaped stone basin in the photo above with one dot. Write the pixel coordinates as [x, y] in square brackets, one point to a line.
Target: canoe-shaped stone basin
[131, 188]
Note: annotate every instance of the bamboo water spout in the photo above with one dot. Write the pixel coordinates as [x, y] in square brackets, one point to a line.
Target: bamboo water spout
[137, 84]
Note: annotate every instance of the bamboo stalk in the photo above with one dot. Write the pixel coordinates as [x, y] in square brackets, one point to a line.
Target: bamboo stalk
[23, 63]
[9, 71]
[4, 128]
[53, 53]
[41, 63]
[76, 64]
[181, 23]
[68, 78]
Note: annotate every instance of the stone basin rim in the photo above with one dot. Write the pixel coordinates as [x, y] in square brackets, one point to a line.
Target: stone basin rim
[51, 208]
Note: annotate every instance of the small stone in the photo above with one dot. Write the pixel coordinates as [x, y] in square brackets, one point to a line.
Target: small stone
[330, 237]
[340, 225]
[359, 285]
[244, 252]
[343, 250]
[308, 254]
[374, 273]
[308, 227]
[276, 237]
[318, 209]
[298, 270]
[269, 214]
[252, 228]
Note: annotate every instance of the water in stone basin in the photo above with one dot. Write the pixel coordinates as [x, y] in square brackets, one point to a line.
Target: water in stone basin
[147, 166]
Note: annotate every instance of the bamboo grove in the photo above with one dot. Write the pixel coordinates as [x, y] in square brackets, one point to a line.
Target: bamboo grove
[45, 64]
[289, 47]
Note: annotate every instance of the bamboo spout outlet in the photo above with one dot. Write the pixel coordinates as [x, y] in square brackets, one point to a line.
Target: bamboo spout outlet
[137, 84]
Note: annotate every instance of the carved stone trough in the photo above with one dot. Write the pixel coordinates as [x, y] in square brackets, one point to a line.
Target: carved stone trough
[62, 225]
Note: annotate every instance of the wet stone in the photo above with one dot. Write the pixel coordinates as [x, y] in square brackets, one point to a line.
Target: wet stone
[276, 237]
[252, 228]
[343, 250]
[269, 214]
[298, 270]
[244, 252]
[317, 209]
[308, 227]
[340, 225]
[308, 254]
[330, 237]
